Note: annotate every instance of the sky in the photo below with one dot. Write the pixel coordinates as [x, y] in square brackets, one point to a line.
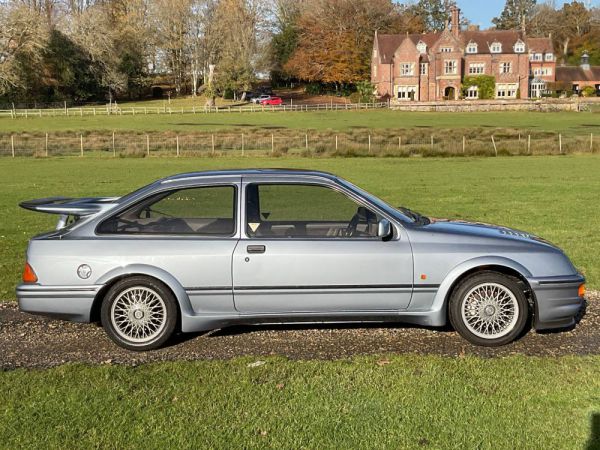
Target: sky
[481, 12]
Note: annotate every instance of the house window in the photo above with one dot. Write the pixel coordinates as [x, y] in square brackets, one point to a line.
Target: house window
[407, 92]
[505, 67]
[423, 68]
[496, 47]
[506, 90]
[519, 47]
[537, 88]
[406, 69]
[446, 49]
[473, 92]
[476, 68]
[542, 71]
[450, 67]
[535, 57]
[421, 47]
[472, 47]
[549, 57]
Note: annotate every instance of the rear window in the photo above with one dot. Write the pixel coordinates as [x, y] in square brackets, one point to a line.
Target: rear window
[201, 211]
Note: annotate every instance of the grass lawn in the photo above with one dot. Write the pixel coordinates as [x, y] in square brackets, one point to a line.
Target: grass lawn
[410, 402]
[554, 197]
[568, 123]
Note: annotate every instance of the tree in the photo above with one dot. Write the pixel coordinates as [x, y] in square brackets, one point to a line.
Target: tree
[284, 40]
[23, 37]
[515, 15]
[335, 39]
[435, 14]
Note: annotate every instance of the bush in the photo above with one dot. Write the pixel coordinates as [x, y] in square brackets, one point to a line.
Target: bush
[588, 91]
[486, 86]
[313, 89]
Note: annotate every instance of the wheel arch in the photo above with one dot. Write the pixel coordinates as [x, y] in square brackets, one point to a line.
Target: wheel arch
[499, 264]
[110, 278]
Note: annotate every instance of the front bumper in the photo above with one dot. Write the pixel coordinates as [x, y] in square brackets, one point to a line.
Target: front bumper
[557, 301]
[72, 303]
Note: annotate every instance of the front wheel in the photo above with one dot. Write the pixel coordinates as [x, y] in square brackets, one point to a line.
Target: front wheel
[489, 309]
[139, 313]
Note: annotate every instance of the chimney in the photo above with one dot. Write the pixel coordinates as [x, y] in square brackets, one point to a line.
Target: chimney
[585, 61]
[455, 14]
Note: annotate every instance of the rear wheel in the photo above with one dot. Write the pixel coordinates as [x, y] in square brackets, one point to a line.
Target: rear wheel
[489, 309]
[139, 313]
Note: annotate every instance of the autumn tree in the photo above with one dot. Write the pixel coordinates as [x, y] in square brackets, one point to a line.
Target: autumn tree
[335, 39]
[23, 37]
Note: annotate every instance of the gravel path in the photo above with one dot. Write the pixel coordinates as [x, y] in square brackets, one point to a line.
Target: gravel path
[37, 342]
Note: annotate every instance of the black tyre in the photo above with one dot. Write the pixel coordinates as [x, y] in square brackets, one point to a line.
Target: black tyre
[139, 313]
[489, 309]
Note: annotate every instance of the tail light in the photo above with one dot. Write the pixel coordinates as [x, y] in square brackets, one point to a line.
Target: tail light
[29, 275]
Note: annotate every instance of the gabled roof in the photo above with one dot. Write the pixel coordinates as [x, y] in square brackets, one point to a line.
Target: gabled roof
[577, 73]
[540, 45]
[389, 43]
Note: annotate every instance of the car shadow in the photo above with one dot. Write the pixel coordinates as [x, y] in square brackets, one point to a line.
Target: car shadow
[594, 440]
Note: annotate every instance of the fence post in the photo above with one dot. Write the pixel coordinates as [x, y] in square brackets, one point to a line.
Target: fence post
[464, 143]
[242, 144]
[272, 143]
[336, 142]
[66, 110]
[213, 143]
[369, 144]
[560, 143]
[432, 142]
[26, 113]
[46, 144]
[81, 112]
[591, 142]
[177, 142]
[306, 138]
[148, 145]
[81, 144]
[12, 144]
[399, 142]
[494, 143]
[529, 144]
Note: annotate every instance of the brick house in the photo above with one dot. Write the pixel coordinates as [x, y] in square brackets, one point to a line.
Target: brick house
[432, 66]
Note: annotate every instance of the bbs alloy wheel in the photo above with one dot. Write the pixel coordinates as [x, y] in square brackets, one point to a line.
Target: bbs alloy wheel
[139, 313]
[489, 309]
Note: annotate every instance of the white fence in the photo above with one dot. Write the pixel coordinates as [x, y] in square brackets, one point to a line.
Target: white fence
[145, 110]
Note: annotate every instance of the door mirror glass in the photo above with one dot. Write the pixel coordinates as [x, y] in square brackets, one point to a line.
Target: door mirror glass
[384, 228]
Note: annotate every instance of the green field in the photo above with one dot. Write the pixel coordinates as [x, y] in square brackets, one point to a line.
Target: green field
[411, 402]
[554, 197]
[569, 123]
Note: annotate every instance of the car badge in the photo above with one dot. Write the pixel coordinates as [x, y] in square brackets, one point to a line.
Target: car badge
[84, 271]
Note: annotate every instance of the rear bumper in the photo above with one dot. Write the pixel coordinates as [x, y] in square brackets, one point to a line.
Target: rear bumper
[72, 303]
[557, 301]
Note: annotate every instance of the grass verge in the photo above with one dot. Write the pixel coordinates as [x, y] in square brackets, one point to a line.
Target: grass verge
[395, 402]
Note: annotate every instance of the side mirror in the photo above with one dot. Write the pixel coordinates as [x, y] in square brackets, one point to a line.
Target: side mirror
[384, 228]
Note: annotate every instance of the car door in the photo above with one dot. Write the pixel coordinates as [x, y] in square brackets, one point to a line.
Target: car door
[189, 232]
[298, 252]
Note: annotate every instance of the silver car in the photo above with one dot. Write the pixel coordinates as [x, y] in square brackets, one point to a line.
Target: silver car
[206, 250]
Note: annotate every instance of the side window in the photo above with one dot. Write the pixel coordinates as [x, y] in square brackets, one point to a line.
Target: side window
[305, 211]
[202, 211]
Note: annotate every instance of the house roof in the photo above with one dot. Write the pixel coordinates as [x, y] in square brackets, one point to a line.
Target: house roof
[577, 73]
[388, 43]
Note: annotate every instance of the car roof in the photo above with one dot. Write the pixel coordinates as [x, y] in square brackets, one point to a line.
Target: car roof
[242, 172]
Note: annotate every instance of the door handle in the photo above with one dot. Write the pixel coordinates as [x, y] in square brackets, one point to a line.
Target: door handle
[256, 248]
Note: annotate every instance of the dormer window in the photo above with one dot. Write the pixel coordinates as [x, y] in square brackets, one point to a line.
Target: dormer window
[446, 49]
[549, 57]
[422, 47]
[496, 47]
[535, 57]
[472, 47]
[520, 47]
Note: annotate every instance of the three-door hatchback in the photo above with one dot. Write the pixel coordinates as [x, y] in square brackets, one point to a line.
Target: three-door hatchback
[205, 250]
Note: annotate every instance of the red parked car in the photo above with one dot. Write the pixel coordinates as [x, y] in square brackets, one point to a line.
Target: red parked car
[271, 101]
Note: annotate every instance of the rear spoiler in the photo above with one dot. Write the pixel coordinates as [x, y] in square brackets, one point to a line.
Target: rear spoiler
[66, 207]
